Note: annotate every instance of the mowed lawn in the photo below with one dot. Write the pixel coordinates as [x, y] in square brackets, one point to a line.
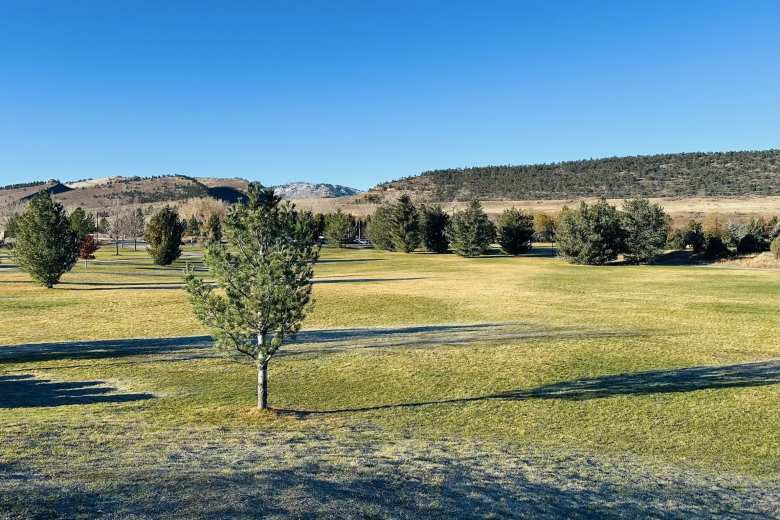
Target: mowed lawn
[421, 384]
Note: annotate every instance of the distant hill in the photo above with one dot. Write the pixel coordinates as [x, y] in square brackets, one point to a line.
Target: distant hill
[670, 175]
[307, 190]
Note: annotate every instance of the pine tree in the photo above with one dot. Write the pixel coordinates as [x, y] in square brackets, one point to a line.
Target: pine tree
[515, 231]
[405, 225]
[433, 228]
[379, 228]
[163, 235]
[590, 234]
[213, 228]
[81, 223]
[646, 228]
[470, 231]
[264, 274]
[337, 228]
[46, 247]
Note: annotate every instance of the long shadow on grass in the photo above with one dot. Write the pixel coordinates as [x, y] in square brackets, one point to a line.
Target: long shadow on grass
[255, 483]
[637, 383]
[26, 391]
[113, 348]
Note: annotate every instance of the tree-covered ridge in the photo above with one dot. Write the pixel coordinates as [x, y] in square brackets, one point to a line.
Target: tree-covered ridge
[668, 175]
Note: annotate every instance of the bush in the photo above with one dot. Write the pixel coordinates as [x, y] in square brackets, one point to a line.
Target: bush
[645, 229]
[775, 247]
[46, 247]
[714, 248]
[88, 247]
[675, 239]
[591, 234]
[405, 225]
[515, 231]
[693, 236]
[163, 234]
[379, 228]
[470, 231]
[433, 228]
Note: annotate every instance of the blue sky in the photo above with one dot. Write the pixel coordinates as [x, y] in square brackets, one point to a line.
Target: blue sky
[360, 92]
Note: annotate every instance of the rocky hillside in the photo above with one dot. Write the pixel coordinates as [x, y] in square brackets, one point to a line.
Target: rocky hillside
[307, 190]
[751, 173]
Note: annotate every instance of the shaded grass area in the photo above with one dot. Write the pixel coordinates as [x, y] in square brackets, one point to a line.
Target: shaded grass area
[421, 384]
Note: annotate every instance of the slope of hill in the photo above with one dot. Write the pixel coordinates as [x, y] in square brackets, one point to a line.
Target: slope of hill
[308, 190]
[670, 175]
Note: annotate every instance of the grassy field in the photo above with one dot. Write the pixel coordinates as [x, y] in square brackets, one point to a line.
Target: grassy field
[421, 384]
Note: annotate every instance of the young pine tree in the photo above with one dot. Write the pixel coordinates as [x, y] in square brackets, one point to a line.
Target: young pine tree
[405, 225]
[515, 231]
[46, 246]
[163, 235]
[470, 231]
[81, 223]
[264, 274]
[433, 228]
[379, 228]
[646, 228]
[213, 228]
[337, 228]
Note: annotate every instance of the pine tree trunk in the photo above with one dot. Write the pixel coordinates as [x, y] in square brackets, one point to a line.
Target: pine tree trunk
[262, 384]
[117, 246]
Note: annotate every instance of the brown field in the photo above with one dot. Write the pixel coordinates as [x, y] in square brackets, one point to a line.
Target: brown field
[679, 208]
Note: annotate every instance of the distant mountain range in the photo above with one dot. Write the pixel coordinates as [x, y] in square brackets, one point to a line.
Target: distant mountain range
[107, 192]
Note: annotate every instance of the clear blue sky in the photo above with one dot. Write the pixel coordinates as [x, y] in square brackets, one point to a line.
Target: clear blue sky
[360, 92]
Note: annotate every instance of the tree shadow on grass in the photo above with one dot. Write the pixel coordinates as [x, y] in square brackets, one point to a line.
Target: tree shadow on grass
[636, 383]
[26, 391]
[113, 348]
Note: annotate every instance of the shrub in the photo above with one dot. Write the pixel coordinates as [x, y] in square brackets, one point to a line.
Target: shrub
[88, 247]
[775, 247]
[405, 228]
[693, 236]
[590, 234]
[46, 247]
[433, 228]
[515, 231]
[379, 228]
[645, 229]
[163, 234]
[675, 239]
[714, 248]
[470, 231]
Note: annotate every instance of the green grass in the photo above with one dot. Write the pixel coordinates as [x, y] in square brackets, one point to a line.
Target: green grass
[549, 323]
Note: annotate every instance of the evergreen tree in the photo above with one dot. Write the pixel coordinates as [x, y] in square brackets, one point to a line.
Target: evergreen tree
[515, 231]
[470, 232]
[646, 228]
[405, 225]
[136, 225]
[81, 223]
[104, 226]
[213, 228]
[46, 247]
[433, 227]
[590, 234]
[379, 228]
[163, 235]
[693, 236]
[337, 228]
[264, 274]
